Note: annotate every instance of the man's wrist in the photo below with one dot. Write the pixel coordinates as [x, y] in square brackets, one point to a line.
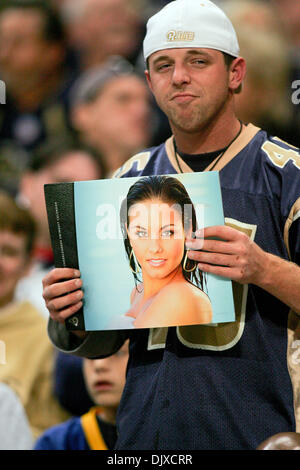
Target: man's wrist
[281, 278]
[267, 270]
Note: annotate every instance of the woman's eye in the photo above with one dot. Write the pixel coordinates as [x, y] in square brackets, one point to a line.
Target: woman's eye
[141, 234]
[167, 233]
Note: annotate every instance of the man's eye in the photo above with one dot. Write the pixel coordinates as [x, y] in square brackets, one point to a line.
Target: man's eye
[163, 67]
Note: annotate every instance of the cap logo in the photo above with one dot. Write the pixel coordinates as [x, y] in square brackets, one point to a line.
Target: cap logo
[180, 36]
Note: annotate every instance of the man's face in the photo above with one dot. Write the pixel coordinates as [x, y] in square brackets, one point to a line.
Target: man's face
[121, 113]
[112, 25]
[14, 262]
[190, 85]
[24, 54]
[289, 15]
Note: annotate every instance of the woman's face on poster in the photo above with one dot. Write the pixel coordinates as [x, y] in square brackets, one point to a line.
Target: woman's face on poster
[157, 236]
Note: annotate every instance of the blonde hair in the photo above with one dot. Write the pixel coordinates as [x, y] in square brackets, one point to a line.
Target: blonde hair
[266, 50]
[268, 69]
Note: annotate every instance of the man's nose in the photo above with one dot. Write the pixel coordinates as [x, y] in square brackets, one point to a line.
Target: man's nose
[180, 75]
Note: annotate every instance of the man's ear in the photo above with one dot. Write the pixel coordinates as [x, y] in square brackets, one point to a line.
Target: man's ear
[148, 78]
[237, 74]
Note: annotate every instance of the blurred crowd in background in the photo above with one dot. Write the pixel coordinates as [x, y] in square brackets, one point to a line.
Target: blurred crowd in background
[77, 106]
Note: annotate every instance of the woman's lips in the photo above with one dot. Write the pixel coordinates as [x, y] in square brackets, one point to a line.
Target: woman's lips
[156, 262]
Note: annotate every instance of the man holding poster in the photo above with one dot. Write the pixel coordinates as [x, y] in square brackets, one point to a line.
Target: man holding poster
[233, 385]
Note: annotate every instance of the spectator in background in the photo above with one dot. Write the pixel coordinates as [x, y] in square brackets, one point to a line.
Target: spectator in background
[32, 65]
[253, 13]
[111, 110]
[98, 29]
[265, 97]
[57, 161]
[288, 12]
[69, 384]
[96, 430]
[28, 368]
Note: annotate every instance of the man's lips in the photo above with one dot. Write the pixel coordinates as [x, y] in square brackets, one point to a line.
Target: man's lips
[183, 97]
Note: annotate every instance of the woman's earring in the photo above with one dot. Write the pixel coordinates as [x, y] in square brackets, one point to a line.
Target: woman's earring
[130, 257]
[184, 264]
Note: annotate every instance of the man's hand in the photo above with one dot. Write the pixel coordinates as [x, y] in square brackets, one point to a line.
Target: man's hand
[62, 293]
[235, 257]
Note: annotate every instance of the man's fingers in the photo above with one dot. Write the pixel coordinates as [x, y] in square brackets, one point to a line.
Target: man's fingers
[65, 313]
[59, 303]
[61, 288]
[220, 231]
[215, 258]
[235, 274]
[60, 274]
[62, 292]
[225, 240]
[215, 246]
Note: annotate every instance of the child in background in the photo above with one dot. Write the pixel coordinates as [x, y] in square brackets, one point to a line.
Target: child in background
[29, 361]
[95, 430]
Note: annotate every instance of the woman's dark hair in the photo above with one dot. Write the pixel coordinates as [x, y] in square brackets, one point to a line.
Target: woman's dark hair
[169, 190]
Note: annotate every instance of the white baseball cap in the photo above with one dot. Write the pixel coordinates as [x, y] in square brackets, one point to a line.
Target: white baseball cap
[190, 23]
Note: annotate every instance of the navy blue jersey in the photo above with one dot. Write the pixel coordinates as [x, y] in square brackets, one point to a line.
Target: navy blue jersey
[233, 385]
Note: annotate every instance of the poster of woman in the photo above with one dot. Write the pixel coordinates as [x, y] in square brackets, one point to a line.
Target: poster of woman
[131, 240]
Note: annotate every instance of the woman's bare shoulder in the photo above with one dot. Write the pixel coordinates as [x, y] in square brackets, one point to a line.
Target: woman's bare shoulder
[183, 303]
[185, 292]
